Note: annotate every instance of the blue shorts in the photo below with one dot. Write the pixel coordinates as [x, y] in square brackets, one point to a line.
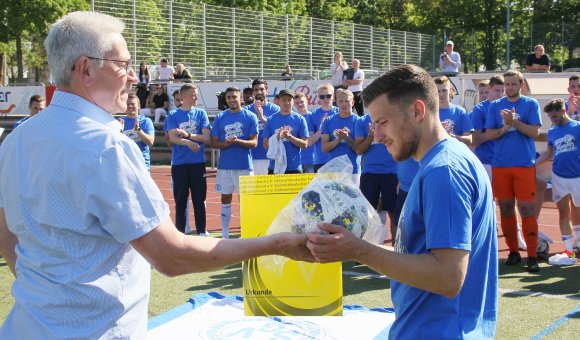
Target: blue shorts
[384, 186]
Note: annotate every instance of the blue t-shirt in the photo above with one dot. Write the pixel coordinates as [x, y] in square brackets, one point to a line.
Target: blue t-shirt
[268, 109]
[377, 159]
[573, 115]
[455, 120]
[241, 124]
[564, 140]
[449, 205]
[298, 128]
[514, 148]
[192, 121]
[146, 125]
[337, 122]
[20, 122]
[483, 151]
[314, 125]
[307, 155]
[406, 173]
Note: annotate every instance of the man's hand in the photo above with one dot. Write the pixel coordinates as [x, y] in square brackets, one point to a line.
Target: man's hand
[136, 127]
[372, 130]
[508, 117]
[232, 140]
[122, 122]
[294, 246]
[342, 133]
[286, 132]
[182, 133]
[340, 244]
[193, 146]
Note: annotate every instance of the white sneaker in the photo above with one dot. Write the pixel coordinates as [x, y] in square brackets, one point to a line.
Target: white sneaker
[521, 242]
[204, 234]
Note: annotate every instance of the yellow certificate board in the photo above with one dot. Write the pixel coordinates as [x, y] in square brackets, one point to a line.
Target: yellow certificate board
[275, 286]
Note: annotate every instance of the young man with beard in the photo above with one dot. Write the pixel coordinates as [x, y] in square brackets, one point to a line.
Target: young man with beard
[513, 122]
[235, 134]
[443, 268]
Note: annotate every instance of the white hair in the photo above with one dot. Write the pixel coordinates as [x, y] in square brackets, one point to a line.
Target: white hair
[78, 34]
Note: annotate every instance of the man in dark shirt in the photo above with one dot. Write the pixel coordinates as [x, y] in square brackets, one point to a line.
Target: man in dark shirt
[161, 103]
[538, 61]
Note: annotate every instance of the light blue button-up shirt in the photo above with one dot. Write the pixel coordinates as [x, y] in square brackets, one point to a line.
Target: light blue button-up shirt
[75, 192]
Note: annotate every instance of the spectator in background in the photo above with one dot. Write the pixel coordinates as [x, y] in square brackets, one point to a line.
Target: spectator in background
[306, 155]
[144, 78]
[449, 61]
[164, 71]
[538, 60]
[160, 102]
[139, 129]
[573, 102]
[181, 72]
[287, 73]
[337, 70]
[35, 105]
[354, 83]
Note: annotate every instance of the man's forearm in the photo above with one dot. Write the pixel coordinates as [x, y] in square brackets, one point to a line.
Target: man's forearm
[8, 242]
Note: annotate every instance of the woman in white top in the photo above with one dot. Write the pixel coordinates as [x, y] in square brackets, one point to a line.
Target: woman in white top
[336, 69]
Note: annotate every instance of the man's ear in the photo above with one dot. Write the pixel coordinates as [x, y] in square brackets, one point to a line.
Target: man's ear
[84, 71]
[419, 110]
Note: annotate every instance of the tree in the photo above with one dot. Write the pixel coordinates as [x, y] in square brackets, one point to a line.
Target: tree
[19, 19]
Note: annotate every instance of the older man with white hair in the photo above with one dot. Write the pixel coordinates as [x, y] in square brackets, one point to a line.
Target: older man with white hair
[81, 220]
[449, 61]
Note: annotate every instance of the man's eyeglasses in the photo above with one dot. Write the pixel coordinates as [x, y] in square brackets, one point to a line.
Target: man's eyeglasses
[128, 63]
[323, 96]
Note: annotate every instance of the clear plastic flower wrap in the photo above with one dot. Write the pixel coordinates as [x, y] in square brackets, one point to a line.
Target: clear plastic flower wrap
[331, 197]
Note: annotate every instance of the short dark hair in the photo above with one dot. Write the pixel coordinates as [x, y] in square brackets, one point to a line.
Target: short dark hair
[175, 92]
[555, 105]
[496, 80]
[260, 81]
[232, 89]
[402, 86]
[248, 89]
[574, 77]
[163, 60]
[441, 80]
[35, 98]
[187, 87]
[132, 95]
[514, 73]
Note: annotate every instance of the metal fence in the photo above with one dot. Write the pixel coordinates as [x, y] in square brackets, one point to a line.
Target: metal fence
[227, 43]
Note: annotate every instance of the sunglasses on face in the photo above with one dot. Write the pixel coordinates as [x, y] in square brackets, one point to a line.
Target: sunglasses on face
[325, 96]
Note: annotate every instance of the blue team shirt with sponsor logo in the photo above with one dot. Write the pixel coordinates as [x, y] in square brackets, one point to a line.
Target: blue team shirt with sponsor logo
[268, 109]
[514, 149]
[241, 124]
[307, 155]
[298, 128]
[314, 125]
[449, 205]
[483, 151]
[564, 140]
[146, 125]
[192, 121]
[335, 122]
[455, 120]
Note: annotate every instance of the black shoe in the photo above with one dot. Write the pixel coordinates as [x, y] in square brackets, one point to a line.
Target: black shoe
[513, 258]
[533, 266]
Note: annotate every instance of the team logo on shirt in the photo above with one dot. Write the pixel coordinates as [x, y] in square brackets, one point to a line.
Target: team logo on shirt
[133, 135]
[448, 125]
[399, 246]
[234, 129]
[564, 144]
[190, 126]
[261, 125]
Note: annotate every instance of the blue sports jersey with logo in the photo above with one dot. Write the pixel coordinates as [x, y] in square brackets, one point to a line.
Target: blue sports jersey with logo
[307, 155]
[564, 140]
[298, 128]
[316, 118]
[335, 122]
[483, 151]
[242, 125]
[455, 120]
[514, 149]
[146, 125]
[449, 206]
[192, 121]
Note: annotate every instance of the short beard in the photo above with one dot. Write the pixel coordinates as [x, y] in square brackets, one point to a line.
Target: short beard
[409, 148]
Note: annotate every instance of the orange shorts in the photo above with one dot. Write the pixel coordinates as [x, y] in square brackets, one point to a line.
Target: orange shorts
[514, 182]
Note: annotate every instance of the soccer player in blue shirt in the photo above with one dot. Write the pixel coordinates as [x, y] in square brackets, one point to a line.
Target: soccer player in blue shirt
[139, 128]
[189, 132]
[325, 93]
[453, 117]
[563, 147]
[35, 105]
[443, 268]
[290, 127]
[235, 134]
